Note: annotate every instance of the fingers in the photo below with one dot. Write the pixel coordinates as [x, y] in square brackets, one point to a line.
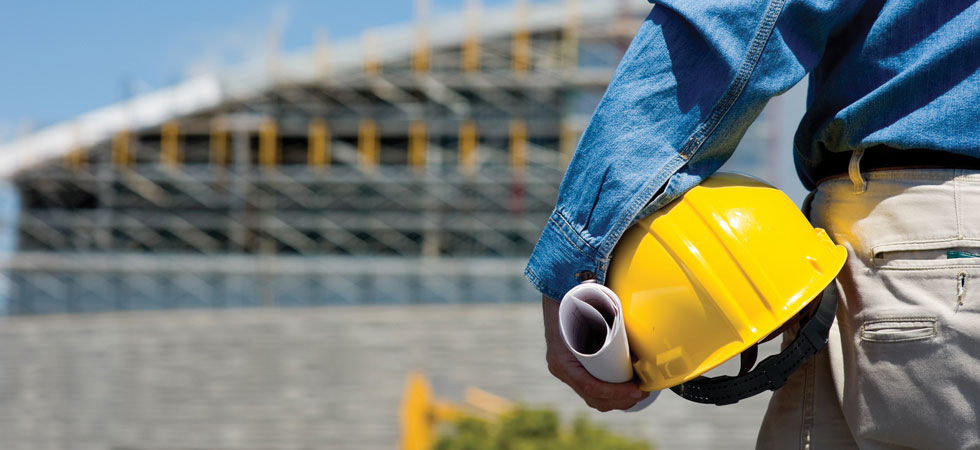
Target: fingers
[596, 393]
[598, 389]
[564, 366]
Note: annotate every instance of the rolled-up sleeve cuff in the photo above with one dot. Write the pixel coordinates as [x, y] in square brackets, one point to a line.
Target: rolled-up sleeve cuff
[561, 258]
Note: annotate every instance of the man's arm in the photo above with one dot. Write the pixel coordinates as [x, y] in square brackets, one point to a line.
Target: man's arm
[694, 78]
[564, 366]
[692, 81]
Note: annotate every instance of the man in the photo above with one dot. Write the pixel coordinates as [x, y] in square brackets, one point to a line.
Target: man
[889, 146]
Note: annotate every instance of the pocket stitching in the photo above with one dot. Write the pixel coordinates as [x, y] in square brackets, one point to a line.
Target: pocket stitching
[944, 266]
[933, 329]
[933, 244]
[922, 244]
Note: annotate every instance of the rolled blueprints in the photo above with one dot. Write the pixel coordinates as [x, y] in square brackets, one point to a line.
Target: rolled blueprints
[591, 324]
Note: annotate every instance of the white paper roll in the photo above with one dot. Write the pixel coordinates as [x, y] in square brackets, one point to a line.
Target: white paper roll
[591, 323]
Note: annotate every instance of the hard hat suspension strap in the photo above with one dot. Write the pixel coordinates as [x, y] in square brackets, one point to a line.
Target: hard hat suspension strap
[773, 371]
[748, 359]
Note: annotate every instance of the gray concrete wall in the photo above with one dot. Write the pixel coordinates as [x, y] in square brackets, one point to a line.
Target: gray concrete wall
[284, 379]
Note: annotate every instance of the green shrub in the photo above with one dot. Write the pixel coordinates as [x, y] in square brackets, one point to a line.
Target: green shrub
[532, 429]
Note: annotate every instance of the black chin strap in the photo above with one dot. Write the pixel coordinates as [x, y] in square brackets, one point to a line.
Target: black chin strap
[772, 372]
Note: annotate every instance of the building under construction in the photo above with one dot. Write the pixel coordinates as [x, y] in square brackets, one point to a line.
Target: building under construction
[415, 164]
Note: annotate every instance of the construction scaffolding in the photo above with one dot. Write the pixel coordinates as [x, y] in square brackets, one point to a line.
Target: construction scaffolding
[417, 176]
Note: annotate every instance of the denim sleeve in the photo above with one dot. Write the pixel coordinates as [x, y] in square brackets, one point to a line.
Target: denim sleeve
[695, 76]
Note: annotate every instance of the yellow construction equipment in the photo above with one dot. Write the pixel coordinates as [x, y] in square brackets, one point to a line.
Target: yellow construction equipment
[421, 412]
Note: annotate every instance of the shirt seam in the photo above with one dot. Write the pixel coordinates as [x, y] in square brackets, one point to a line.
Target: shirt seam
[703, 131]
[564, 226]
[695, 142]
[706, 129]
[636, 205]
[533, 278]
[749, 63]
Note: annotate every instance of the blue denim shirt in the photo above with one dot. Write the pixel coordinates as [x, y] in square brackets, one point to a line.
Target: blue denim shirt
[901, 73]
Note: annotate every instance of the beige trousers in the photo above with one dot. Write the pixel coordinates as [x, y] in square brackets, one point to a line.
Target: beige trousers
[902, 367]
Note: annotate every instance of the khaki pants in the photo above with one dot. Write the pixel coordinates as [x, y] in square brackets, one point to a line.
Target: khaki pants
[902, 368]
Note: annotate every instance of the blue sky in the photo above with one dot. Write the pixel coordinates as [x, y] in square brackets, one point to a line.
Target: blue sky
[62, 58]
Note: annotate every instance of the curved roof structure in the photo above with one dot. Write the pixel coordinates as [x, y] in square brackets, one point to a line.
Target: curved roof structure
[344, 59]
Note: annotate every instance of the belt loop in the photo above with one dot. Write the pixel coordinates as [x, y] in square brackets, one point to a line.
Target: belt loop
[854, 172]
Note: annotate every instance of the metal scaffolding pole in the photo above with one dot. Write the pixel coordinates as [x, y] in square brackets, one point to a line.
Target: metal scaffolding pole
[422, 177]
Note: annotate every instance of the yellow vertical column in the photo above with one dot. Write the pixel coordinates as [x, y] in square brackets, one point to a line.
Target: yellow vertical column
[417, 421]
[170, 144]
[521, 39]
[268, 144]
[421, 57]
[368, 145]
[468, 142]
[372, 57]
[570, 35]
[318, 148]
[219, 143]
[418, 145]
[470, 56]
[120, 149]
[76, 158]
[518, 146]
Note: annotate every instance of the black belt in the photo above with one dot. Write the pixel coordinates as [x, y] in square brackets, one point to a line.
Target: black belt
[883, 157]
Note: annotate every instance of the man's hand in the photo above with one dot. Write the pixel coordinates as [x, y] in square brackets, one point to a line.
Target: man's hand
[563, 365]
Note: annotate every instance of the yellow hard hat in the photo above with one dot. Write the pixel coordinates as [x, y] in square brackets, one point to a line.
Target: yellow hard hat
[712, 274]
